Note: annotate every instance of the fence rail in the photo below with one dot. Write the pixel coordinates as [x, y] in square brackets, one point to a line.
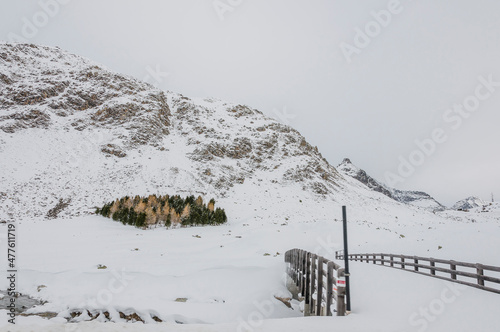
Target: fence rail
[319, 281]
[414, 264]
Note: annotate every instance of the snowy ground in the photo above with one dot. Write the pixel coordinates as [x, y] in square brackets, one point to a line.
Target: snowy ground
[230, 283]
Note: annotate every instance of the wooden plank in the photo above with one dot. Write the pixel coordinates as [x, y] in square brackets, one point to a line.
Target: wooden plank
[319, 291]
[303, 284]
[341, 309]
[457, 272]
[313, 283]
[491, 268]
[480, 274]
[453, 267]
[308, 285]
[329, 288]
[299, 272]
[433, 264]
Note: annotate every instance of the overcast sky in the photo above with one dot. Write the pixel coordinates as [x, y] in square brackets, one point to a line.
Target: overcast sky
[359, 79]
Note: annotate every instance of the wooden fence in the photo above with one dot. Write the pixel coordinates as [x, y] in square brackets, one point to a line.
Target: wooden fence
[443, 267]
[320, 282]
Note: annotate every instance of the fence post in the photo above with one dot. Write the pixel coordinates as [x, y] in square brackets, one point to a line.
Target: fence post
[329, 288]
[308, 285]
[319, 292]
[341, 305]
[313, 283]
[382, 259]
[302, 272]
[297, 267]
[374, 261]
[402, 262]
[392, 260]
[453, 267]
[480, 274]
[286, 261]
[433, 265]
[415, 260]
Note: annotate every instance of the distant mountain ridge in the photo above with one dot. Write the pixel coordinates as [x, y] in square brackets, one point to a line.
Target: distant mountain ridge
[416, 198]
[468, 203]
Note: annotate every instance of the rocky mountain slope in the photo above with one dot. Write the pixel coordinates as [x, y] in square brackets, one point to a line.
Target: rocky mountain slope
[73, 130]
[416, 198]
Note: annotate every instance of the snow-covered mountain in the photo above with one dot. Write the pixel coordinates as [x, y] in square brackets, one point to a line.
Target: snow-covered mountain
[416, 198]
[468, 203]
[74, 130]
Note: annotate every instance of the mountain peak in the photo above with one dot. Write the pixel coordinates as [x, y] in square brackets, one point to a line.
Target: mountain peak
[346, 161]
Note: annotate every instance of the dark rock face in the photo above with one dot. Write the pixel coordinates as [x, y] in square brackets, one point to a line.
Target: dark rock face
[372, 183]
[403, 196]
[468, 203]
[39, 82]
[31, 118]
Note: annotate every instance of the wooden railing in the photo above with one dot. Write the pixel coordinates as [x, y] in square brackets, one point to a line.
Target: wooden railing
[319, 281]
[434, 265]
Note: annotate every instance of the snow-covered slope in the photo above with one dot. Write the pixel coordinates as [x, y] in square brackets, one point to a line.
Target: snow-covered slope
[415, 198]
